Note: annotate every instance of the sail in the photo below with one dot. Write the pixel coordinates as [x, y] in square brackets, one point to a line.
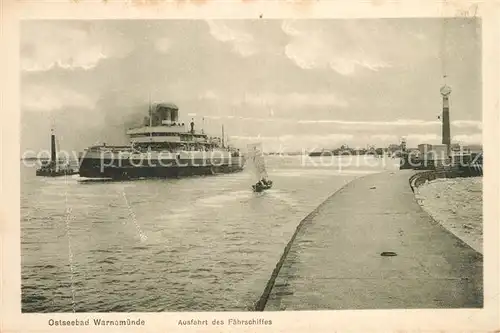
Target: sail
[256, 158]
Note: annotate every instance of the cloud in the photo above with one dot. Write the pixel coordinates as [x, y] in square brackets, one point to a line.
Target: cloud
[467, 123]
[280, 100]
[415, 139]
[162, 45]
[69, 45]
[291, 100]
[85, 60]
[328, 141]
[313, 47]
[295, 142]
[358, 124]
[209, 95]
[243, 43]
[289, 137]
[475, 138]
[42, 99]
[384, 138]
[401, 122]
[241, 76]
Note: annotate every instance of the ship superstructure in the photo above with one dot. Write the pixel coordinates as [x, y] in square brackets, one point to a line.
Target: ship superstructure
[162, 147]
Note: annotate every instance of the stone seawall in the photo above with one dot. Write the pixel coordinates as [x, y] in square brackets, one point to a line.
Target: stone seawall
[335, 259]
[261, 303]
[422, 177]
[453, 202]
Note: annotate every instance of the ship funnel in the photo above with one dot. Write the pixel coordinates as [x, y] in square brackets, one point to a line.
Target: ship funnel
[174, 115]
[167, 113]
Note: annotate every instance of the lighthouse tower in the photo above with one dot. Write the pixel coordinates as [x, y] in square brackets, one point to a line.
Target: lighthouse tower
[446, 132]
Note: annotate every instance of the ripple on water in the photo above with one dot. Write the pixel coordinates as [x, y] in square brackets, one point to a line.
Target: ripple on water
[211, 242]
[221, 200]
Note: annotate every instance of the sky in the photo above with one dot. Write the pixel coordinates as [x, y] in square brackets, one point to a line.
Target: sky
[292, 85]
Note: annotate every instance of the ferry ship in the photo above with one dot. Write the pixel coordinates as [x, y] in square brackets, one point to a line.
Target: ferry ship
[162, 147]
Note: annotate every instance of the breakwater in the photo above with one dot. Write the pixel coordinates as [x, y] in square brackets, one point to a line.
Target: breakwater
[456, 204]
[422, 177]
[260, 305]
[335, 258]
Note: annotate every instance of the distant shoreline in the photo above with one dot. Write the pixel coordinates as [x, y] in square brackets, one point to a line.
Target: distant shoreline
[41, 159]
[35, 159]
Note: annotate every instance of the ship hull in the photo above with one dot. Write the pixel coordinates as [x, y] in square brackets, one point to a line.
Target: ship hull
[155, 172]
[133, 169]
[53, 173]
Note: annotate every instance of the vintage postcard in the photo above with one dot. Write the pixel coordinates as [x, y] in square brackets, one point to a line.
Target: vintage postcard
[278, 166]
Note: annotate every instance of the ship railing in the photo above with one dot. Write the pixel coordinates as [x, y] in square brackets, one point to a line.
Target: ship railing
[141, 150]
[109, 148]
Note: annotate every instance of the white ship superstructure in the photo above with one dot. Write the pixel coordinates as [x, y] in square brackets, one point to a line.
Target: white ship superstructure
[161, 147]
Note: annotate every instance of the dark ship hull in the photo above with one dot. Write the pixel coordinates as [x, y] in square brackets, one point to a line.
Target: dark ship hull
[55, 173]
[125, 169]
[155, 172]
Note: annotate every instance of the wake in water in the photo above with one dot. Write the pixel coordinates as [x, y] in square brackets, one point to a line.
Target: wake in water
[194, 239]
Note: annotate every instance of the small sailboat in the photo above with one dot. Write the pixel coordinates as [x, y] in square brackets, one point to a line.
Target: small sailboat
[256, 158]
[262, 185]
[52, 168]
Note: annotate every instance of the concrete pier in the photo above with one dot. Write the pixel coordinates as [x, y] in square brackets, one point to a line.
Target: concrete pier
[334, 261]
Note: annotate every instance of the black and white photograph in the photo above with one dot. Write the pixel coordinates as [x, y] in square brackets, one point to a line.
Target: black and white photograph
[250, 165]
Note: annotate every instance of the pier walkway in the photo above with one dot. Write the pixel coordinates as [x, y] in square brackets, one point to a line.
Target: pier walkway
[335, 259]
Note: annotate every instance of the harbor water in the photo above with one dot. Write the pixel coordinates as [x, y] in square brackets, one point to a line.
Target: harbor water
[190, 244]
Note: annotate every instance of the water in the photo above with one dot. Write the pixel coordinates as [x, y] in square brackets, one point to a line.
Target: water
[192, 244]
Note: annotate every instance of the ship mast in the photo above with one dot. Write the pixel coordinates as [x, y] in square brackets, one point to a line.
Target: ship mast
[150, 120]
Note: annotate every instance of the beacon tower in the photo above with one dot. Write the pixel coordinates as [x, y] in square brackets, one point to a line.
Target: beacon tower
[446, 132]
